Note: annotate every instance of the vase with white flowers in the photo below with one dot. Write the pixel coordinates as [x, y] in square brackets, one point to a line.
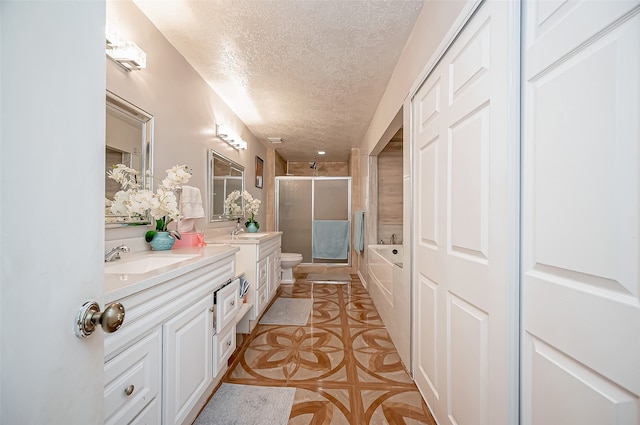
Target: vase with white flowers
[161, 205]
[249, 207]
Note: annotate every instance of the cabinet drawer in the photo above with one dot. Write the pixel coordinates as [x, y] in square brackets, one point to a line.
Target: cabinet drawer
[136, 372]
[227, 305]
[150, 415]
[224, 343]
[267, 247]
[263, 270]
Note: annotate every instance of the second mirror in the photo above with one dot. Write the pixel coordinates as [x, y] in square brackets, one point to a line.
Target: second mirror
[225, 176]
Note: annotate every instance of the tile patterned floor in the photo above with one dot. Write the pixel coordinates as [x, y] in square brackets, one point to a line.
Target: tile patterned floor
[342, 363]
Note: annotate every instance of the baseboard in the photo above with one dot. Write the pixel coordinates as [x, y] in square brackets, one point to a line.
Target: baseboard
[204, 399]
[362, 280]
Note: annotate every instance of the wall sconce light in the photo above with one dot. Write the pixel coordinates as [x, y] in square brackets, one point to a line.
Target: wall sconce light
[235, 141]
[125, 53]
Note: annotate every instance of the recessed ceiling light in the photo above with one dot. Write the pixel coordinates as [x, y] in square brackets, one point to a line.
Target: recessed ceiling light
[321, 152]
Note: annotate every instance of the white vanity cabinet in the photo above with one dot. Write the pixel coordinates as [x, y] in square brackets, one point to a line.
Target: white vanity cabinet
[259, 260]
[159, 366]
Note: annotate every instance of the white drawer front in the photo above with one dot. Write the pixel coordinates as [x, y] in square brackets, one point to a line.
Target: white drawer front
[227, 304]
[223, 345]
[136, 371]
[266, 248]
[150, 415]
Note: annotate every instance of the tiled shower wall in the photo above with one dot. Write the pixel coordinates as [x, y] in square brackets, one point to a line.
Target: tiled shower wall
[325, 169]
[390, 191]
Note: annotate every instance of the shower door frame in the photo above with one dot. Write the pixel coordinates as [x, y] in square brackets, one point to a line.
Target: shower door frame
[313, 180]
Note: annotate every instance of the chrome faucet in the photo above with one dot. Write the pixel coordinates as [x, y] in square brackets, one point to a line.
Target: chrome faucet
[236, 230]
[114, 254]
[393, 239]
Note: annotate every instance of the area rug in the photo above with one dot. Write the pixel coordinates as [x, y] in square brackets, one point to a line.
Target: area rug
[288, 311]
[339, 278]
[236, 404]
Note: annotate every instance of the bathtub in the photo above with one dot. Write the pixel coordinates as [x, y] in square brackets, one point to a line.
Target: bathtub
[390, 289]
[383, 259]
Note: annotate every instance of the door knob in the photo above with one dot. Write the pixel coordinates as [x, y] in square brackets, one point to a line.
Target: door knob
[89, 316]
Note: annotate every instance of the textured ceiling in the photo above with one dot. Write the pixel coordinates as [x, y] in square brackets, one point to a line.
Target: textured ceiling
[309, 71]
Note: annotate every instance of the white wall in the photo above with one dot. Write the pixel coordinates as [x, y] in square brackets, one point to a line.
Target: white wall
[434, 22]
[184, 107]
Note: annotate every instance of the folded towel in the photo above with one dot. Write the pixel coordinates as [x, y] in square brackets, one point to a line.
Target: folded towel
[331, 239]
[190, 205]
[358, 231]
[191, 202]
[185, 225]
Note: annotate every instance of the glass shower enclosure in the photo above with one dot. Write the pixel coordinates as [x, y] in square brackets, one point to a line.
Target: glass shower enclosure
[313, 214]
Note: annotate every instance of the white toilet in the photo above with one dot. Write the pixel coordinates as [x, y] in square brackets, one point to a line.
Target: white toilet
[287, 262]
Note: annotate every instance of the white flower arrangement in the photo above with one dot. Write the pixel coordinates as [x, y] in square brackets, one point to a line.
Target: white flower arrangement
[135, 202]
[231, 204]
[250, 206]
[127, 177]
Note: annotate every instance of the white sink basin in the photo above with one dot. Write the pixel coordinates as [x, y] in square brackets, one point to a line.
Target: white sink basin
[144, 264]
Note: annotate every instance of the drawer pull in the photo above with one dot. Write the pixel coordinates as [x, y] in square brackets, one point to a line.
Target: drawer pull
[129, 390]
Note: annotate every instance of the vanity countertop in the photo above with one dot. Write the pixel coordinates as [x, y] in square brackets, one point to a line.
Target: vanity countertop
[243, 238]
[120, 285]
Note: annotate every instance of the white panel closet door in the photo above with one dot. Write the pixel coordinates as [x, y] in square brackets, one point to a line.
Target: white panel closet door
[460, 129]
[581, 200]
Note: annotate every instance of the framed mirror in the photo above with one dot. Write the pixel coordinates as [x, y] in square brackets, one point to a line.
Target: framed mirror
[225, 176]
[129, 141]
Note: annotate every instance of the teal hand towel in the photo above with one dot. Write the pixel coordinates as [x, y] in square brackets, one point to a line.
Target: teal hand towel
[358, 231]
[331, 239]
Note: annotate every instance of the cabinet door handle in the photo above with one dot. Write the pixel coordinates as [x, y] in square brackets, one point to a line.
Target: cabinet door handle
[233, 302]
[229, 343]
[212, 309]
[129, 390]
